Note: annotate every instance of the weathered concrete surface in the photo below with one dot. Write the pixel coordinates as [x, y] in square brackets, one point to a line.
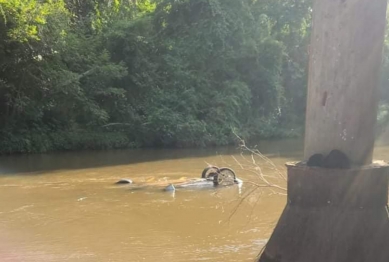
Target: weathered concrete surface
[333, 215]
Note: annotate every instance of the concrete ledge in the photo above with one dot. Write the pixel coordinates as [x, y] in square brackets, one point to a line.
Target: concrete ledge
[333, 215]
[329, 234]
[360, 187]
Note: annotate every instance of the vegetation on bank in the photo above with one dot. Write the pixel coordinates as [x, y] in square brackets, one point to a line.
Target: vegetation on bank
[96, 74]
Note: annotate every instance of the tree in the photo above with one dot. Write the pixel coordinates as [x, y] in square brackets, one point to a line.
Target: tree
[149, 73]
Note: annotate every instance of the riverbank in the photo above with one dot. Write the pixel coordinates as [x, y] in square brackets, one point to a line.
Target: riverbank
[44, 142]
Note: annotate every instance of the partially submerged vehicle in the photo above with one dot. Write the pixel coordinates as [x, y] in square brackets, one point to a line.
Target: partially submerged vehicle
[212, 176]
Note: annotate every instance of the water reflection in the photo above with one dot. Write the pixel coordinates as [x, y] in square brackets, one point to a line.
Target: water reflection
[42, 163]
[71, 210]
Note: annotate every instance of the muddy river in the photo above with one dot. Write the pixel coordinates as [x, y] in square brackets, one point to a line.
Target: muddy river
[65, 206]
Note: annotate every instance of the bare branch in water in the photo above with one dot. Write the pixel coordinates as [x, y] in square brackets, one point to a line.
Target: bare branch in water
[269, 177]
[254, 166]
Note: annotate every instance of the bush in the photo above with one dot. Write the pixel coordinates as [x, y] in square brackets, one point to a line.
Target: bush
[40, 142]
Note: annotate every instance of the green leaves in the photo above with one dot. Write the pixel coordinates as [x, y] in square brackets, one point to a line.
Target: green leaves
[25, 16]
[159, 72]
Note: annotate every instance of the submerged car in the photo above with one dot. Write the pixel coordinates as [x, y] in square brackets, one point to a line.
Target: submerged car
[212, 176]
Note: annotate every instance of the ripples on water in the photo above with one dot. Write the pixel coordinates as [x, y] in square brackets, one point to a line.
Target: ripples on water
[64, 207]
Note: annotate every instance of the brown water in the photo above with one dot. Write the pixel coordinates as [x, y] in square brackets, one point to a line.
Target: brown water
[64, 207]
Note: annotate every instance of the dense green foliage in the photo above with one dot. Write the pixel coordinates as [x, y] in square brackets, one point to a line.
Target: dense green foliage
[107, 74]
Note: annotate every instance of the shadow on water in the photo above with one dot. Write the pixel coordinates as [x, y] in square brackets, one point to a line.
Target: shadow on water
[40, 163]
